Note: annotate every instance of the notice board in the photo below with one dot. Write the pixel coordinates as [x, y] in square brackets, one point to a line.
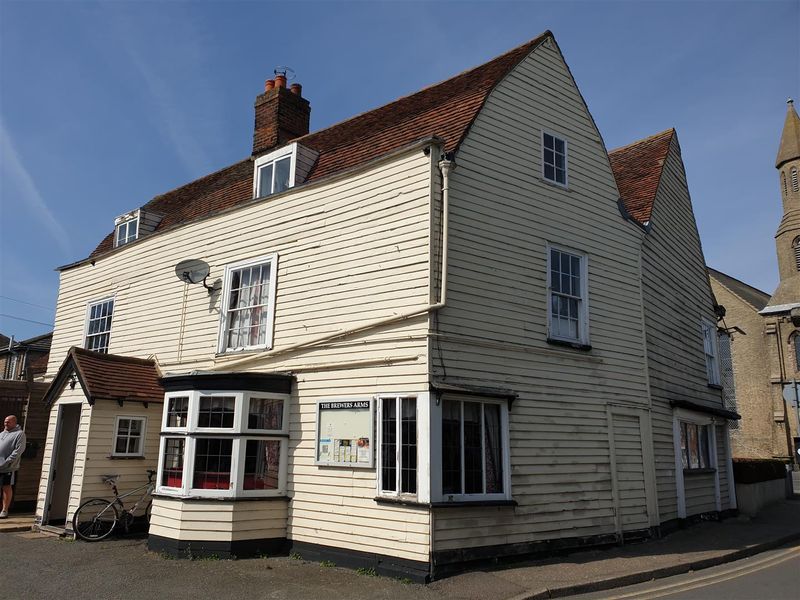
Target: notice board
[346, 433]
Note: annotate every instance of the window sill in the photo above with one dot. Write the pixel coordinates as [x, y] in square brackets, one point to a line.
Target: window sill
[715, 386]
[401, 501]
[455, 504]
[567, 344]
[555, 184]
[113, 457]
[473, 503]
[691, 472]
[218, 498]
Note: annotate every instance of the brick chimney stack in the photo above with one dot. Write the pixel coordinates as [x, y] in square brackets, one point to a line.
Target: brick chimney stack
[282, 114]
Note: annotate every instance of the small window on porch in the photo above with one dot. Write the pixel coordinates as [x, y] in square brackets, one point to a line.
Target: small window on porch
[129, 436]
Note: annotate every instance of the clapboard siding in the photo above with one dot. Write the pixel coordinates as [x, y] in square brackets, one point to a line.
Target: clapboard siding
[699, 493]
[677, 296]
[349, 252]
[494, 328]
[630, 465]
[722, 467]
[339, 243]
[218, 520]
[132, 472]
[68, 396]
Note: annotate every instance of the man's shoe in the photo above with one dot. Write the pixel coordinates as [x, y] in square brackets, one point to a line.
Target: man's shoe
[4, 514]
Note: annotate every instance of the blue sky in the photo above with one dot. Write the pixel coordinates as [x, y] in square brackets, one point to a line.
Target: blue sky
[104, 105]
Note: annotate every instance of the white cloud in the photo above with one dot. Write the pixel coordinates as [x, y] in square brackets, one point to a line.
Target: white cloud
[27, 193]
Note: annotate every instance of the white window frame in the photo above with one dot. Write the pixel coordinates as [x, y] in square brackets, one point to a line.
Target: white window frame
[436, 439]
[397, 493]
[562, 138]
[239, 434]
[272, 259]
[583, 305]
[273, 157]
[88, 312]
[126, 224]
[708, 331]
[143, 437]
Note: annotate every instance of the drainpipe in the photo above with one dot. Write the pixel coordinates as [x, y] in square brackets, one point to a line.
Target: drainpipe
[446, 165]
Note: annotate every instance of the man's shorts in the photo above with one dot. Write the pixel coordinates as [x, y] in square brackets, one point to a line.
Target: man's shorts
[8, 478]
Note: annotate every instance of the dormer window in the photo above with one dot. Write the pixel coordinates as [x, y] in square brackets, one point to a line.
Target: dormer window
[127, 231]
[275, 172]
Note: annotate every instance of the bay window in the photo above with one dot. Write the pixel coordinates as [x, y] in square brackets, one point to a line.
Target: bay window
[224, 444]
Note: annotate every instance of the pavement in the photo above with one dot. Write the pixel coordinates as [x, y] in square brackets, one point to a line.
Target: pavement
[124, 568]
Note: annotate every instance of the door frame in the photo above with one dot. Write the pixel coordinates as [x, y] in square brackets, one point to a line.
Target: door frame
[55, 453]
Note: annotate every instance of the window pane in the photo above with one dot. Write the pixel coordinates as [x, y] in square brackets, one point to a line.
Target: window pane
[135, 427]
[694, 458]
[389, 445]
[451, 447]
[282, 168]
[172, 474]
[703, 451]
[684, 446]
[216, 411]
[548, 140]
[247, 306]
[559, 145]
[262, 464]
[121, 447]
[99, 326]
[212, 464]
[265, 413]
[133, 444]
[549, 172]
[408, 475]
[265, 180]
[177, 411]
[492, 449]
[473, 454]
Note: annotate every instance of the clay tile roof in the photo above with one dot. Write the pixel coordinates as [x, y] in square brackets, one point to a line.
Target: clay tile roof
[637, 168]
[445, 110]
[109, 377]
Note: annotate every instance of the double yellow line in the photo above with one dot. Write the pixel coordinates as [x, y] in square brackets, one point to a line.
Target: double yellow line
[731, 573]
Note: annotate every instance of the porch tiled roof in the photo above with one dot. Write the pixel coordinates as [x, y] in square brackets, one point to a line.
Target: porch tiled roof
[109, 377]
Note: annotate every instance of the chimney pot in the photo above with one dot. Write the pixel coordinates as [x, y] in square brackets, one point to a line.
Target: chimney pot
[269, 84]
[280, 81]
[296, 88]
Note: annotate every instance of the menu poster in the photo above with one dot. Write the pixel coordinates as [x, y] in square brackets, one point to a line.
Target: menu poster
[344, 433]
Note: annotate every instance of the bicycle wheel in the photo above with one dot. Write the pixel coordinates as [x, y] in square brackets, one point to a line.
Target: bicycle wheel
[95, 519]
[148, 511]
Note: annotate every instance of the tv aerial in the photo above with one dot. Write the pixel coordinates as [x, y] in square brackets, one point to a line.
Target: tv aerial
[194, 271]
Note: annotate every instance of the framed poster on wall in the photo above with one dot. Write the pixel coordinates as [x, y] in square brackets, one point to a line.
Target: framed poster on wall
[346, 433]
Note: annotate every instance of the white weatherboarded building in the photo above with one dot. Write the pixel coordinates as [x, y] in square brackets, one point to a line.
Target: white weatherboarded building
[419, 339]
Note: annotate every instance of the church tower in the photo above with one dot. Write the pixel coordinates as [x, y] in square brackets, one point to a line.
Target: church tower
[787, 239]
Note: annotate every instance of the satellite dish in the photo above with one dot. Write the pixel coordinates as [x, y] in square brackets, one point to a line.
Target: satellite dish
[192, 270]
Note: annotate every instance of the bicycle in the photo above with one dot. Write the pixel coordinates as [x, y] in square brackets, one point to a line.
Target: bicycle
[96, 518]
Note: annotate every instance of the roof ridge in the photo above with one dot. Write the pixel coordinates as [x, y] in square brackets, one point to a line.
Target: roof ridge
[77, 351]
[755, 289]
[671, 131]
[426, 90]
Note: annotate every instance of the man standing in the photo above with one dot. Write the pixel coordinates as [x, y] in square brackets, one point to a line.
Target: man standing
[12, 445]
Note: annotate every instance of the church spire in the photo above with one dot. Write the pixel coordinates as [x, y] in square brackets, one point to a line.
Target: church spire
[790, 139]
[787, 238]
